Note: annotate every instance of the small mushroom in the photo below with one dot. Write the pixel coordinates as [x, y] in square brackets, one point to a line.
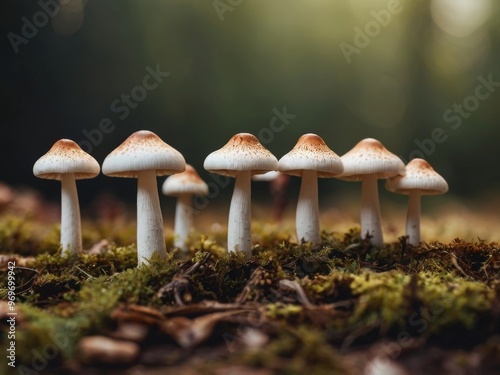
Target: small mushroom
[266, 177]
[310, 158]
[67, 162]
[183, 186]
[420, 179]
[367, 162]
[144, 156]
[241, 157]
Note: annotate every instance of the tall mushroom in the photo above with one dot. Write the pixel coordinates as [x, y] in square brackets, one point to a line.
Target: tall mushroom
[67, 162]
[144, 156]
[241, 157]
[183, 186]
[420, 179]
[310, 158]
[367, 162]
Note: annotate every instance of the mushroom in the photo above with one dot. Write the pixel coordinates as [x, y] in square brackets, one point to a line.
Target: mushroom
[420, 179]
[144, 156]
[67, 162]
[310, 158]
[241, 157]
[183, 186]
[367, 162]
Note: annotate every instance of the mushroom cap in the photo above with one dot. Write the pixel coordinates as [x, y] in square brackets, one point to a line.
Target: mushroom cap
[311, 153]
[143, 151]
[419, 176]
[187, 182]
[64, 157]
[243, 152]
[368, 157]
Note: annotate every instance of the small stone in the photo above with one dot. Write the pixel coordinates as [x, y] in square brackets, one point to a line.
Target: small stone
[101, 349]
[131, 331]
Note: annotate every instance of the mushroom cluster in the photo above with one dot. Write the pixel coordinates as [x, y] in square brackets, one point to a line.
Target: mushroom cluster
[145, 156]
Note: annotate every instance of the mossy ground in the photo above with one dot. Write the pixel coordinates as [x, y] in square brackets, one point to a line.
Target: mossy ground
[291, 308]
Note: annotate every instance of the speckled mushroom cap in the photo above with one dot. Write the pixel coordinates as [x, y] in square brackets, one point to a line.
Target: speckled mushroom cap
[419, 176]
[187, 182]
[243, 152]
[143, 151]
[370, 156]
[64, 157]
[311, 153]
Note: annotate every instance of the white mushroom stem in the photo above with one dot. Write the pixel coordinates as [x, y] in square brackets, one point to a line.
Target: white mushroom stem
[239, 225]
[183, 220]
[371, 221]
[150, 237]
[413, 218]
[71, 232]
[307, 215]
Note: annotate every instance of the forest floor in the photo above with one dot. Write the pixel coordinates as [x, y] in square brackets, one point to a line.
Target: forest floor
[341, 307]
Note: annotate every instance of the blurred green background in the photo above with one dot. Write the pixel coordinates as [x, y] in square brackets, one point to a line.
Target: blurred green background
[391, 70]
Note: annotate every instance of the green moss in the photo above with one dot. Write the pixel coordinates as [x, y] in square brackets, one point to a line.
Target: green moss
[23, 236]
[346, 291]
[280, 311]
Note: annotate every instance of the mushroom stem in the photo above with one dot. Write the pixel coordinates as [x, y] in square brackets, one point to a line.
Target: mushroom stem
[371, 222]
[413, 218]
[183, 220]
[238, 227]
[307, 215]
[150, 237]
[71, 232]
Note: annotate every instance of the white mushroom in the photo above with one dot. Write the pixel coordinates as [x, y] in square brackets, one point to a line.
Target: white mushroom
[183, 186]
[420, 179]
[310, 158]
[144, 156]
[242, 157]
[67, 162]
[367, 162]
